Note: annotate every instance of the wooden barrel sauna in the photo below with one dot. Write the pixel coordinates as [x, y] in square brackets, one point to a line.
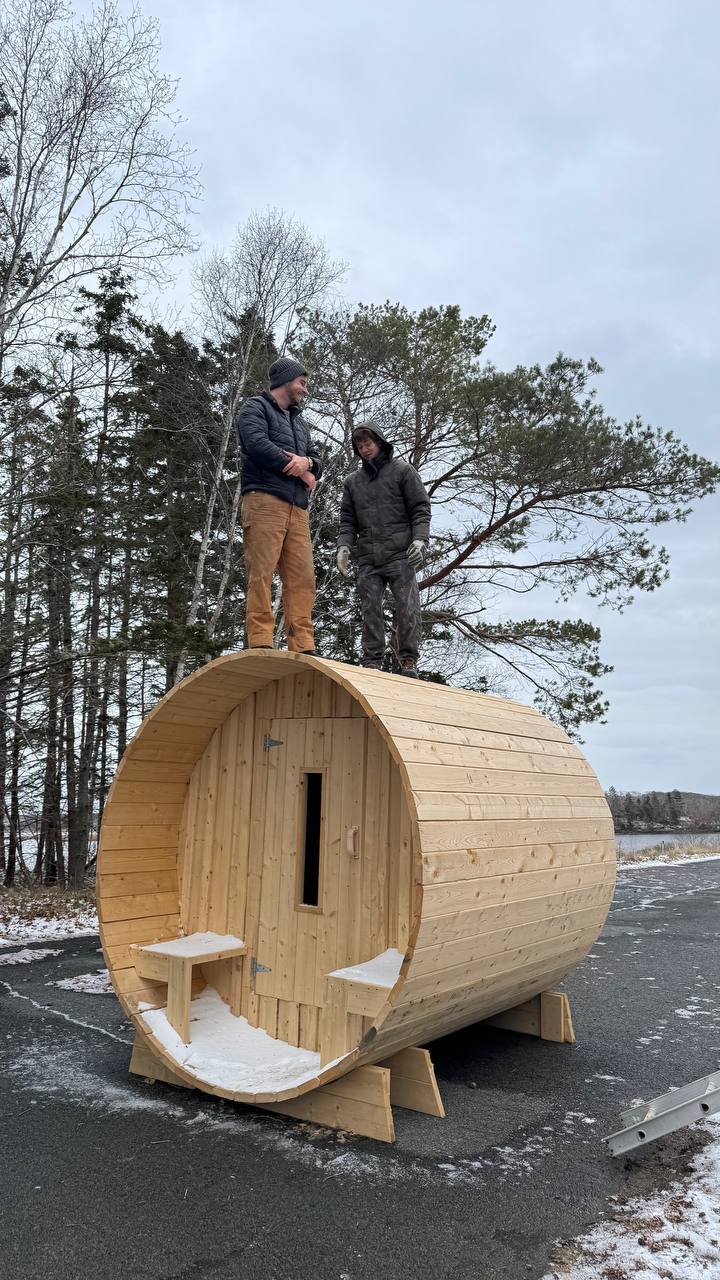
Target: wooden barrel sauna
[306, 867]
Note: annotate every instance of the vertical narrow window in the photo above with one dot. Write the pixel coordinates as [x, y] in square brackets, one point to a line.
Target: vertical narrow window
[310, 866]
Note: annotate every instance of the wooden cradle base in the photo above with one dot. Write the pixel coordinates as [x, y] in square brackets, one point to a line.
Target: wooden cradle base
[361, 1102]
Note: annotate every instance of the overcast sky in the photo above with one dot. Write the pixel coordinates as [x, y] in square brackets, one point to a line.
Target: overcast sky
[552, 164]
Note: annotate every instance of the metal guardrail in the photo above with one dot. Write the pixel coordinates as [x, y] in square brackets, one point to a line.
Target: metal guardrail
[662, 1115]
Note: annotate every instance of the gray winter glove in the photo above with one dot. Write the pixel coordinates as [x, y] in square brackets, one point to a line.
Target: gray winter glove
[416, 554]
[343, 561]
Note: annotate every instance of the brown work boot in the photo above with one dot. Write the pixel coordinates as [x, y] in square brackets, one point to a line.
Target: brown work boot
[408, 668]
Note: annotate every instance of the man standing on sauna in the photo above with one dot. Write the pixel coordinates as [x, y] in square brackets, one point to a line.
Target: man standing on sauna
[385, 513]
[280, 467]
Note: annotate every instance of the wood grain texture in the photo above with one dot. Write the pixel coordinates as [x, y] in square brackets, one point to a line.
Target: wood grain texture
[465, 831]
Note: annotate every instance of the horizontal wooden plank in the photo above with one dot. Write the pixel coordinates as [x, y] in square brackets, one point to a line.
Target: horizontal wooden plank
[510, 762]
[138, 836]
[394, 685]
[489, 807]
[472, 864]
[128, 981]
[137, 906]
[207, 718]
[132, 770]
[448, 777]
[148, 929]
[208, 694]
[479, 999]
[118, 861]
[478, 920]
[149, 792]
[162, 732]
[461, 895]
[121, 955]
[147, 996]
[139, 1002]
[220, 687]
[468, 716]
[445, 1018]
[366, 1118]
[481, 969]
[165, 752]
[134, 882]
[497, 834]
[445, 955]
[145, 813]
[426, 732]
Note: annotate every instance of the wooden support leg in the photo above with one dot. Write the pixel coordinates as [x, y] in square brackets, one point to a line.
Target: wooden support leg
[145, 1063]
[236, 985]
[334, 1030]
[412, 1082]
[179, 995]
[358, 1102]
[546, 1015]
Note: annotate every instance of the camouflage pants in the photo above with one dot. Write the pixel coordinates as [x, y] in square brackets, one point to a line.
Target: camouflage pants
[372, 581]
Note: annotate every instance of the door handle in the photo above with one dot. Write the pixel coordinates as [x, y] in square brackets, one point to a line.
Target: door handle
[352, 842]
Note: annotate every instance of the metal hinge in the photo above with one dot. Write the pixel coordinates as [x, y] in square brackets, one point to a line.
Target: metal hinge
[269, 742]
[256, 968]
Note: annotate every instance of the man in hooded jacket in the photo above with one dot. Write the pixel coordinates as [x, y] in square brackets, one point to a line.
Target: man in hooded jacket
[385, 516]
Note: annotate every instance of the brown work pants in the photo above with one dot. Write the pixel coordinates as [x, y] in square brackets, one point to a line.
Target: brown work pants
[276, 535]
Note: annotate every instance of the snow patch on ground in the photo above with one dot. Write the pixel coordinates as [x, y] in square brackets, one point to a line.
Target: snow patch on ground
[58, 929]
[26, 956]
[94, 984]
[667, 862]
[672, 1235]
[575, 1118]
[336, 1155]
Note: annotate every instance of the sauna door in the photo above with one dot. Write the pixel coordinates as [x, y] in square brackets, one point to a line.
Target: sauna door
[307, 806]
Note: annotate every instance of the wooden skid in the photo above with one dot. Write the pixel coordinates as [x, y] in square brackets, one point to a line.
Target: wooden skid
[412, 1082]
[358, 1102]
[547, 1015]
[145, 1063]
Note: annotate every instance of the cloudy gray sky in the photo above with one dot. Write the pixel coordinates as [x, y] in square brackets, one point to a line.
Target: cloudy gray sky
[553, 164]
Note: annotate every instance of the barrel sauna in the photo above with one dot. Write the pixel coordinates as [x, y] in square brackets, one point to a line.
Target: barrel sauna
[307, 869]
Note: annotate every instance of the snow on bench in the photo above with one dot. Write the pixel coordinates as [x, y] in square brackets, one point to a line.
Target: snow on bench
[172, 962]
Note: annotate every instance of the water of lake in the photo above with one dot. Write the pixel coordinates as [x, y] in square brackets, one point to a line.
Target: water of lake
[632, 840]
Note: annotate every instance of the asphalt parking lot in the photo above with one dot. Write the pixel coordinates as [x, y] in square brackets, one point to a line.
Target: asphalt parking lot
[105, 1176]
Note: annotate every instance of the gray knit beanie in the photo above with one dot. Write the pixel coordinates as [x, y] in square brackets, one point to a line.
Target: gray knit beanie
[285, 370]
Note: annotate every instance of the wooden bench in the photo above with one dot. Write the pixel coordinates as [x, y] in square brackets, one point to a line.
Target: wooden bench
[172, 962]
[361, 989]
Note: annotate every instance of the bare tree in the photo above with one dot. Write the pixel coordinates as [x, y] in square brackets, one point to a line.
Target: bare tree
[92, 175]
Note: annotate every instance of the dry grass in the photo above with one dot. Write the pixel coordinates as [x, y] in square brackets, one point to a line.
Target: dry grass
[694, 848]
[36, 903]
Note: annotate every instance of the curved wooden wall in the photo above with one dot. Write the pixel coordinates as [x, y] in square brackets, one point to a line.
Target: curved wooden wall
[508, 845]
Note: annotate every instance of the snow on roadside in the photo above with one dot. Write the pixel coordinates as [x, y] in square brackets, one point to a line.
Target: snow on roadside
[633, 863]
[26, 956]
[42, 929]
[93, 984]
[672, 1235]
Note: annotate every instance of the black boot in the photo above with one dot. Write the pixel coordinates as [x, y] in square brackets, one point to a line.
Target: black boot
[409, 668]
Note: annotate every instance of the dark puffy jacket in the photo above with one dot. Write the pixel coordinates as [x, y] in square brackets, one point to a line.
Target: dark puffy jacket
[384, 508]
[265, 433]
